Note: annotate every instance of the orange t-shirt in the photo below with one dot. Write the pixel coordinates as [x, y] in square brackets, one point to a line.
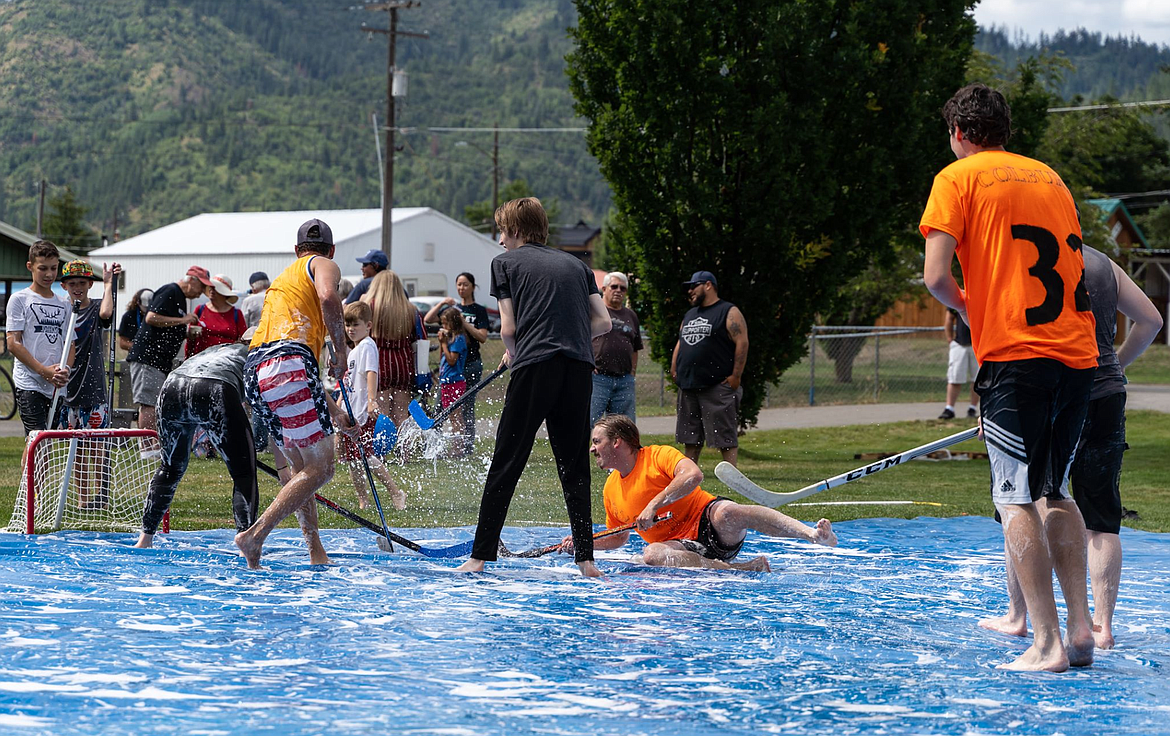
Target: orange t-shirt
[626, 497]
[1019, 245]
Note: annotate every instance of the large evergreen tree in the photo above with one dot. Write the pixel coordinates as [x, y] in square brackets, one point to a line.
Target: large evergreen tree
[781, 144]
[64, 223]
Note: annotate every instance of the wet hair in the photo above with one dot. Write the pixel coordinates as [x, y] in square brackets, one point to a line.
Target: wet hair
[42, 249]
[523, 218]
[621, 427]
[981, 113]
[452, 319]
[469, 276]
[358, 313]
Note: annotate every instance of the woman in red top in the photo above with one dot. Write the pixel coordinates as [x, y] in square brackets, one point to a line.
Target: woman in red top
[219, 321]
[394, 334]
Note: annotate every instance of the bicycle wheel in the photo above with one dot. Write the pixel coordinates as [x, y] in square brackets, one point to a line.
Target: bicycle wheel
[7, 396]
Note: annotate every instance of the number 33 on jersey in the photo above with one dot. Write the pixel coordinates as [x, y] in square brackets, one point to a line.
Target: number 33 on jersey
[1019, 246]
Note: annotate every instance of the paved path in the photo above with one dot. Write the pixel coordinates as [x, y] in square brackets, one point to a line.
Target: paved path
[1141, 396]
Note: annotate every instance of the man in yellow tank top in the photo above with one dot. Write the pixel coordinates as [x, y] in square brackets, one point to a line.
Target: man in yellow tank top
[283, 385]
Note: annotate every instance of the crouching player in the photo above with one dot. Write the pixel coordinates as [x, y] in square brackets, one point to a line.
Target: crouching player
[205, 392]
[703, 531]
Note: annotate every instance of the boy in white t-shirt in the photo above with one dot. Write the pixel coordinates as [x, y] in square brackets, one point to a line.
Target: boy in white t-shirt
[36, 322]
[361, 382]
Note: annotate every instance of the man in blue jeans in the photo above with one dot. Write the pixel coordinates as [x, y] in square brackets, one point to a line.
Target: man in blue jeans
[615, 353]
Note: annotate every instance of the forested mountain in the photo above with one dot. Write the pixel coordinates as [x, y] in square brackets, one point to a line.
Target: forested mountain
[161, 109]
[166, 108]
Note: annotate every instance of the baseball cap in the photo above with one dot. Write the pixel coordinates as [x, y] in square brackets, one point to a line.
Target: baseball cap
[78, 270]
[314, 231]
[699, 277]
[376, 257]
[258, 276]
[200, 273]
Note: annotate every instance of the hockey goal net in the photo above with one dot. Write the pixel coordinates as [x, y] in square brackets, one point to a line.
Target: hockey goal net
[94, 479]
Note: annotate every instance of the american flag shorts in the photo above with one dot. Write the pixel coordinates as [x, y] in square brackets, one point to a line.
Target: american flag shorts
[283, 386]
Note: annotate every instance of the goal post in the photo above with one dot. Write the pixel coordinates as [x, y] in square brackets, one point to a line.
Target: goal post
[92, 479]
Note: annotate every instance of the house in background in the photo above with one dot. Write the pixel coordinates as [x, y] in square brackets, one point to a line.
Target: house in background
[580, 240]
[14, 245]
[428, 249]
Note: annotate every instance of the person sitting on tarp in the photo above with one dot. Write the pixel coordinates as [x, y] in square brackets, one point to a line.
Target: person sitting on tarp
[704, 530]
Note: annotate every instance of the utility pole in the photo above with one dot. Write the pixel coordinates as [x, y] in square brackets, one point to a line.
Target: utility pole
[495, 176]
[41, 211]
[392, 80]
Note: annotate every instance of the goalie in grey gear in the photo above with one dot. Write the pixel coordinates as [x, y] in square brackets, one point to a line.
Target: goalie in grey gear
[205, 392]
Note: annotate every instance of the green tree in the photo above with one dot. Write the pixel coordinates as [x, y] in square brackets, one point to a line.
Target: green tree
[480, 215]
[1106, 151]
[1156, 226]
[780, 144]
[64, 223]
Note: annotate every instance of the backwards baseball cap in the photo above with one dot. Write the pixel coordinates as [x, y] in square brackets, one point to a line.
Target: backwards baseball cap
[78, 270]
[258, 276]
[699, 277]
[314, 231]
[200, 273]
[376, 257]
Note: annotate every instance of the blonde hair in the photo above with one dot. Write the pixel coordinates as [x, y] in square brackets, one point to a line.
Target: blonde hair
[523, 218]
[393, 314]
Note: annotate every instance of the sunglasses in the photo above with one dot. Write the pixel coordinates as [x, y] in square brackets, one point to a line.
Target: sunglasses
[617, 287]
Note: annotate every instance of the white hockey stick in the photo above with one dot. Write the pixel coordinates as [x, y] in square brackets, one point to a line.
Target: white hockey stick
[68, 343]
[740, 483]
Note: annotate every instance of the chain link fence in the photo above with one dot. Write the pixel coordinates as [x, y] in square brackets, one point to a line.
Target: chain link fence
[844, 365]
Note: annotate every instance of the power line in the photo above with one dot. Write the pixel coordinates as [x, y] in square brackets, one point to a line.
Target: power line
[435, 129]
[1084, 108]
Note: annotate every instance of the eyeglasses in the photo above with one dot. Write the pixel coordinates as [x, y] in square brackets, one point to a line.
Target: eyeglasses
[617, 287]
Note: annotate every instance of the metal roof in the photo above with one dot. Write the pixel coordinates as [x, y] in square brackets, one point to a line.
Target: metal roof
[250, 232]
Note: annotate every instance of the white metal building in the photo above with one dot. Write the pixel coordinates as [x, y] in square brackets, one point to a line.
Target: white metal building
[428, 250]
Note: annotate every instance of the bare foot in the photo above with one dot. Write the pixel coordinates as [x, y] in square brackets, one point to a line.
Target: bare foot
[759, 564]
[319, 557]
[249, 549]
[398, 498]
[588, 569]
[363, 502]
[1080, 648]
[1006, 624]
[1033, 661]
[472, 565]
[146, 541]
[824, 534]
[1103, 636]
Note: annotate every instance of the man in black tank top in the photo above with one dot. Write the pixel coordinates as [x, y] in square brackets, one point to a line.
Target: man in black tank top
[708, 365]
[1096, 466]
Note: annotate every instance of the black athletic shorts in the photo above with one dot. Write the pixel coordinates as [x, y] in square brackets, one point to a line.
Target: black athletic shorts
[708, 543]
[1032, 412]
[1096, 471]
[34, 409]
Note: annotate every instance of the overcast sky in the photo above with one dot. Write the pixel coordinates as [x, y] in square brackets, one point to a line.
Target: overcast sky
[1149, 20]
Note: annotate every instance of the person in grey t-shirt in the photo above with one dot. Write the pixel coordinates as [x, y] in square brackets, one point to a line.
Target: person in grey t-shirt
[85, 395]
[549, 312]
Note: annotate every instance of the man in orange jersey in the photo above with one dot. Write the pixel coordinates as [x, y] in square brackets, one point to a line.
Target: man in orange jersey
[283, 385]
[1012, 224]
[703, 531]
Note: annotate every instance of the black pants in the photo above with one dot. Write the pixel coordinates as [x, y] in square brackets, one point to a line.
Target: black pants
[556, 392]
[185, 405]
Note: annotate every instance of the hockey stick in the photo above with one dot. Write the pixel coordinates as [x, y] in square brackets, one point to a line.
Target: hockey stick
[740, 483]
[542, 551]
[456, 550]
[361, 448]
[64, 357]
[113, 345]
[424, 422]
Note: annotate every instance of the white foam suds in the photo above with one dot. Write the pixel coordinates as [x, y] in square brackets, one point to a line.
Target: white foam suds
[17, 720]
[156, 589]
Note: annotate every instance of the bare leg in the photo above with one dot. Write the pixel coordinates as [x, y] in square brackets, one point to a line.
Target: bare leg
[1024, 538]
[359, 485]
[953, 393]
[313, 468]
[692, 451]
[148, 419]
[730, 455]
[307, 517]
[1064, 528]
[974, 397]
[1105, 574]
[1015, 621]
[732, 520]
[397, 495]
[665, 554]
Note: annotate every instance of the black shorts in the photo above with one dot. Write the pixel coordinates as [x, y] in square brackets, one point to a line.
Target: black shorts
[34, 409]
[1096, 470]
[708, 543]
[1032, 413]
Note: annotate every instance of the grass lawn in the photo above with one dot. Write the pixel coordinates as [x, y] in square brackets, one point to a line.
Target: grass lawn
[446, 493]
